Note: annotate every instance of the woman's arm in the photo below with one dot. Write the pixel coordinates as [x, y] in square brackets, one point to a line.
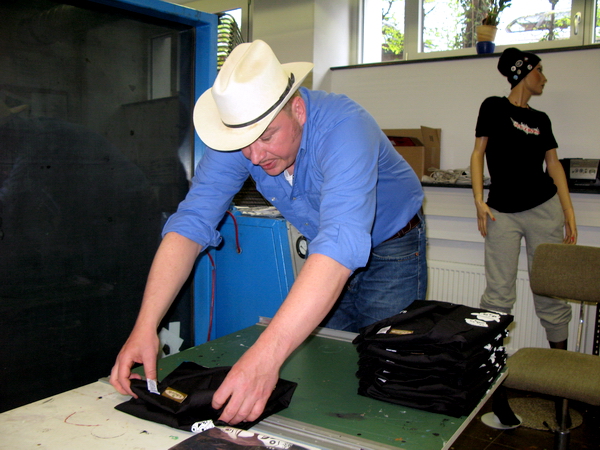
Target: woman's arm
[477, 158]
[556, 171]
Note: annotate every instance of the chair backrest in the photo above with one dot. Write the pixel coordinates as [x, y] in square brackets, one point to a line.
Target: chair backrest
[569, 272]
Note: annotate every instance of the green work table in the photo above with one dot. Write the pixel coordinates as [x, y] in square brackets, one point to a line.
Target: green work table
[326, 411]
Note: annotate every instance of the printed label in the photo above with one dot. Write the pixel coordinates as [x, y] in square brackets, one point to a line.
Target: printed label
[400, 332]
[174, 394]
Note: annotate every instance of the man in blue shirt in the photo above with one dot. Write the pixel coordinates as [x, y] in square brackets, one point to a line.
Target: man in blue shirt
[323, 161]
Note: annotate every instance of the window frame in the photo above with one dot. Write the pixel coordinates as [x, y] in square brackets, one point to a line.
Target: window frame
[219, 6]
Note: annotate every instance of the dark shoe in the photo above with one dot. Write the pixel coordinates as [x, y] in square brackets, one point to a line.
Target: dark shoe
[562, 345]
[502, 409]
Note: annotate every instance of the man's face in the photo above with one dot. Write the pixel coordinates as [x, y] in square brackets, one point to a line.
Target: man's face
[276, 149]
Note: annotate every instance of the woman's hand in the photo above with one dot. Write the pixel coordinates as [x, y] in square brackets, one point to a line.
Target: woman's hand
[570, 227]
[483, 212]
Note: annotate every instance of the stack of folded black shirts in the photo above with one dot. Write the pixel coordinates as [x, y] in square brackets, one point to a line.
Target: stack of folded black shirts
[436, 356]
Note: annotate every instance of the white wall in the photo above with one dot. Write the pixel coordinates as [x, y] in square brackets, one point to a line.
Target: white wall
[447, 94]
[319, 31]
[334, 38]
[287, 26]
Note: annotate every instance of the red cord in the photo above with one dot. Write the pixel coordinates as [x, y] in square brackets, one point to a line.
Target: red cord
[214, 276]
[237, 237]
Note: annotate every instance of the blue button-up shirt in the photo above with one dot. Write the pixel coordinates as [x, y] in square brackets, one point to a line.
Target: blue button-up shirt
[351, 189]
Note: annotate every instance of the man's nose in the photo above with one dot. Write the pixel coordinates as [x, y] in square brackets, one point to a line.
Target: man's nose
[254, 153]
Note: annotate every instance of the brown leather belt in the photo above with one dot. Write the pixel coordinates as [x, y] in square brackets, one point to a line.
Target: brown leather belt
[412, 223]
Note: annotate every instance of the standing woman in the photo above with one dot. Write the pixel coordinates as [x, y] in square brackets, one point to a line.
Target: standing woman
[524, 201]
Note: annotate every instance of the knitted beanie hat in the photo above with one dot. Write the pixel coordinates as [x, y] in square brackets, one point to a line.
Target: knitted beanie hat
[515, 64]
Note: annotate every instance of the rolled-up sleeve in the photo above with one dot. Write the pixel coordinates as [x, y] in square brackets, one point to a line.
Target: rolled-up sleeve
[218, 177]
[346, 160]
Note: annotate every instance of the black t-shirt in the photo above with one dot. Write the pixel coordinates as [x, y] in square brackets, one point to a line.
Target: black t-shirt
[518, 139]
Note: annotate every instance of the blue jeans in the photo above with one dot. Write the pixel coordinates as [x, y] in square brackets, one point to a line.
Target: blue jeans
[394, 277]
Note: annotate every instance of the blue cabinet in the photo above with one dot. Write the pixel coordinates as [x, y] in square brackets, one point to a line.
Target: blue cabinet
[248, 284]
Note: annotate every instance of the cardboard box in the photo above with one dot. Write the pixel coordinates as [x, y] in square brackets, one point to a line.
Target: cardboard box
[420, 147]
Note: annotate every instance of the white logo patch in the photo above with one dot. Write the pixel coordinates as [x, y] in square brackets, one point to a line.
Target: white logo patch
[204, 425]
[477, 323]
[487, 316]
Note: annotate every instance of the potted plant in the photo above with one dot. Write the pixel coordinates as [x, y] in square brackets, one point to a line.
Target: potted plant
[489, 25]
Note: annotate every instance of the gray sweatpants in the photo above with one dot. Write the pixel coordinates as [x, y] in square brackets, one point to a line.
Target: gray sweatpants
[542, 224]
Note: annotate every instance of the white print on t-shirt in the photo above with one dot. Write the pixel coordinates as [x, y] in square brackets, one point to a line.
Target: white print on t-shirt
[525, 128]
[487, 316]
[201, 426]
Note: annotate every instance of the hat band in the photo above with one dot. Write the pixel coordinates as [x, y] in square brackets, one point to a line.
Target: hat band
[270, 110]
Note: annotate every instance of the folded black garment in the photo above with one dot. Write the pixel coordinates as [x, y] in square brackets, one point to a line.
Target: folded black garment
[186, 396]
[428, 361]
[430, 386]
[416, 377]
[432, 326]
[438, 398]
[451, 405]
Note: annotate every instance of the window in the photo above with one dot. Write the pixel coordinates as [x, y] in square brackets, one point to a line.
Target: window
[240, 10]
[412, 29]
[597, 23]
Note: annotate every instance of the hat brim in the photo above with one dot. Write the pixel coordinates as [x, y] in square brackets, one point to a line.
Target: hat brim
[218, 136]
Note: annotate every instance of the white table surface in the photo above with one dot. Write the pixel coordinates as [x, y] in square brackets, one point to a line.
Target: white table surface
[83, 419]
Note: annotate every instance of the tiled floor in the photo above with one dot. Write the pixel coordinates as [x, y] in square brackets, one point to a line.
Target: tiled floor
[478, 436]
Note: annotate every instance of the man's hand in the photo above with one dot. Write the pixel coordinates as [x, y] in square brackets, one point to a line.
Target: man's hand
[251, 381]
[140, 348]
[171, 267]
[247, 387]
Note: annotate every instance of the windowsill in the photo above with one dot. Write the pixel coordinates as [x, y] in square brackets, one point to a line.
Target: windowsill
[461, 57]
[593, 189]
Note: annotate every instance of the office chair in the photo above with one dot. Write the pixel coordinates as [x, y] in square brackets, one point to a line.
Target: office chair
[568, 272]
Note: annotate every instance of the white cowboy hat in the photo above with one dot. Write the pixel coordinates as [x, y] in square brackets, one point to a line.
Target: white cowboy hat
[251, 88]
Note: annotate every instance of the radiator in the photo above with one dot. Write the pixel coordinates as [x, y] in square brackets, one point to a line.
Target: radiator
[464, 283]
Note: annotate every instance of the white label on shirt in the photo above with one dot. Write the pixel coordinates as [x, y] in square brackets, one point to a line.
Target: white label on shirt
[477, 323]
[152, 386]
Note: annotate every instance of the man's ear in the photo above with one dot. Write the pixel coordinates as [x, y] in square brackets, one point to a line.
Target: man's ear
[299, 109]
